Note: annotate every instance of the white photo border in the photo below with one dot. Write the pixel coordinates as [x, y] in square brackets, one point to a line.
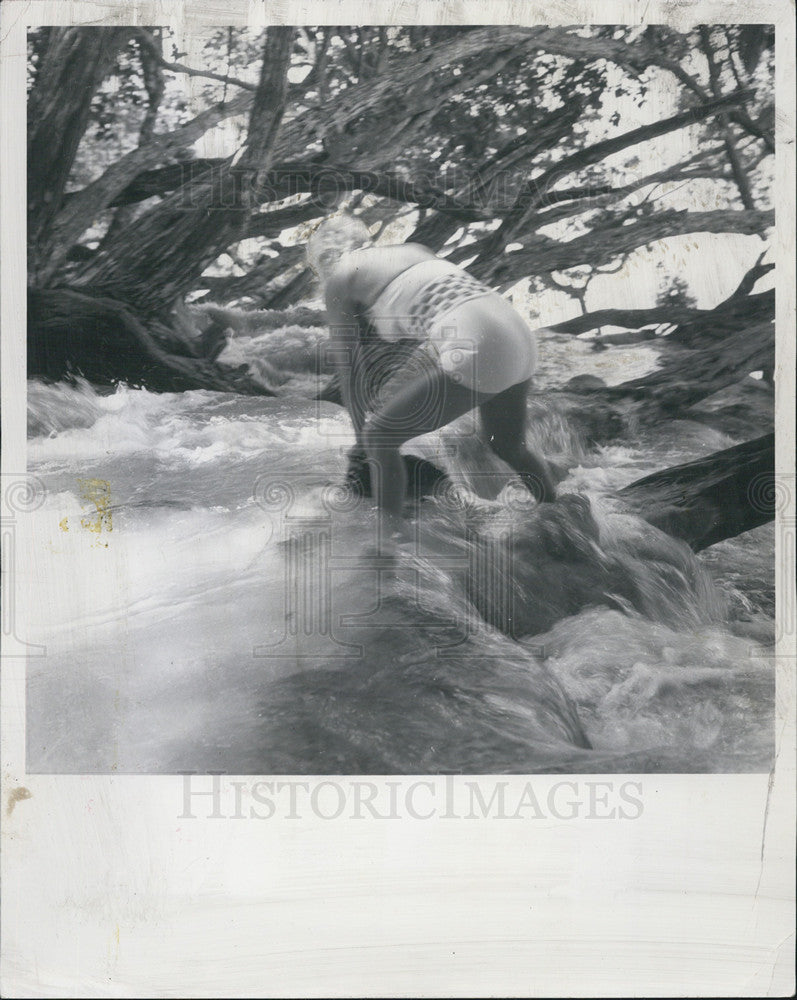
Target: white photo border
[110, 890]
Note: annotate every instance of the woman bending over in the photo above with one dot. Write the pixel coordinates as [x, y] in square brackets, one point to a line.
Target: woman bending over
[480, 354]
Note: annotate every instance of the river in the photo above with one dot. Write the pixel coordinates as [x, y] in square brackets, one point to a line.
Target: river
[203, 605]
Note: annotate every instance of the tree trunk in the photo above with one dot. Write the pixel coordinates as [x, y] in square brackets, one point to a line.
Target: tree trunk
[170, 246]
[713, 498]
[71, 67]
[689, 376]
[71, 334]
[123, 319]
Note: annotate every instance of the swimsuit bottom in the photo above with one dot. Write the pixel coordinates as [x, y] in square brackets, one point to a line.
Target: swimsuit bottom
[483, 344]
[472, 332]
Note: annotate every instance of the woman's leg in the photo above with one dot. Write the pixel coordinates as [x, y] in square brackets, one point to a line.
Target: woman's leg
[504, 419]
[431, 400]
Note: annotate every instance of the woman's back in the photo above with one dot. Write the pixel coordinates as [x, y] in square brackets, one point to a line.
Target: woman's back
[402, 290]
[420, 297]
[363, 274]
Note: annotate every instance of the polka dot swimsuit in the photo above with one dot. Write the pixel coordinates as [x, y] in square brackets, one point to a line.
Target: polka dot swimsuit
[471, 332]
[419, 297]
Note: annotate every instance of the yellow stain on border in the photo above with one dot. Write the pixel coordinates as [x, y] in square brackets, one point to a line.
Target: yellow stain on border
[17, 795]
[96, 493]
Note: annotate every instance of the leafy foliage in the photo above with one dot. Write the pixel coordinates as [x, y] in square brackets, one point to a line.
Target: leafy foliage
[674, 291]
[472, 123]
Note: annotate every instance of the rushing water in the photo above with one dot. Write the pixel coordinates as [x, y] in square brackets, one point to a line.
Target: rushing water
[204, 603]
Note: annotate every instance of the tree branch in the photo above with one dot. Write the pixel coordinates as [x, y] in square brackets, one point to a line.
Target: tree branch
[739, 175]
[254, 282]
[738, 116]
[155, 51]
[153, 82]
[584, 199]
[319, 180]
[638, 58]
[696, 323]
[272, 223]
[172, 244]
[748, 282]
[536, 191]
[630, 319]
[541, 253]
[689, 376]
[162, 180]
[83, 206]
[317, 75]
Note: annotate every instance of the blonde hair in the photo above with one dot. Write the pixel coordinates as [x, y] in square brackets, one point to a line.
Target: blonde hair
[334, 237]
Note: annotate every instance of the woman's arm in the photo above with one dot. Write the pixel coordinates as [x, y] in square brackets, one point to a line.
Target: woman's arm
[344, 332]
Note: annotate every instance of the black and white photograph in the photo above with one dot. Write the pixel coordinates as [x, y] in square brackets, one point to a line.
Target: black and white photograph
[394, 421]
[402, 399]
